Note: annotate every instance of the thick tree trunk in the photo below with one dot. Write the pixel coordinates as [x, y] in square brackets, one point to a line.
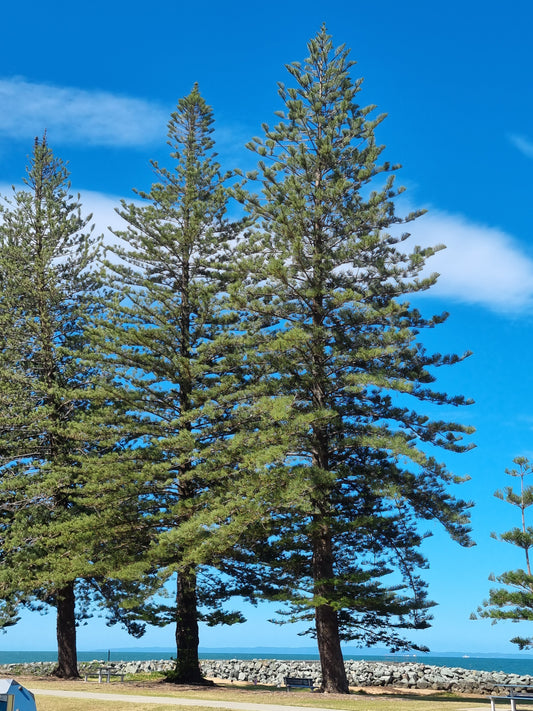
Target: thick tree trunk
[334, 679]
[187, 669]
[67, 660]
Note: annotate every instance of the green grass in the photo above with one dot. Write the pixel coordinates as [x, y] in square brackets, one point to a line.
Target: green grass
[50, 703]
[404, 701]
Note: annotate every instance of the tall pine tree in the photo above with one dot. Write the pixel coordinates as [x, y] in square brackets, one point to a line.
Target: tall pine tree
[61, 528]
[333, 360]
[166, 335]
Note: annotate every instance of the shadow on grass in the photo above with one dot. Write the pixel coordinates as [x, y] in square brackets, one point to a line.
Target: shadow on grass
[403, 695]
[228, 691]
[436, 696]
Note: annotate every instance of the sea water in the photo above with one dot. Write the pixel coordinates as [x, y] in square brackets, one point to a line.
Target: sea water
[508, 664]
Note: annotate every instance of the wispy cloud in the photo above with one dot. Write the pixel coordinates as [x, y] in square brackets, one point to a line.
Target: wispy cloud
[102, 207]
[104, 216]
[524, 145]
[480, 265]
[77, 116]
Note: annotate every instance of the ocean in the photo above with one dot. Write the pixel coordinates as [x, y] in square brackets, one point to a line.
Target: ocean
[508, 664]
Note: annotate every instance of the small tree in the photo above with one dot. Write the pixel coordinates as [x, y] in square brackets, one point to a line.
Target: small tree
[514, 601]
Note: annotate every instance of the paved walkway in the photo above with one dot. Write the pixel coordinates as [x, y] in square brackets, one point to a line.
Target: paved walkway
[177, 701]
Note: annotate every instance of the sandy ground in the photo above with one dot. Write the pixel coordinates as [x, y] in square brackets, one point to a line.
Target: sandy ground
[370, 690]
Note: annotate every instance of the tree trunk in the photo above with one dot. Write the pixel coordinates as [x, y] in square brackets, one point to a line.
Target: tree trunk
[67, 660]
[334, 678]
[187, 669]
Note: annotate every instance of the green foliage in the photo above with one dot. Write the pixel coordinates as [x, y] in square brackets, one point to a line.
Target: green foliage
[341, 460]
[514, 601]
[165, 335]
[239, 410]
[59, 528]
[43, 255]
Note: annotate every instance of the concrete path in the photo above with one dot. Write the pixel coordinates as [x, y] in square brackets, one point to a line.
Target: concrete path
[177, 701]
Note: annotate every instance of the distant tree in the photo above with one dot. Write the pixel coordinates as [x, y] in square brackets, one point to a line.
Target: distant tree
[333, 362]
[514, 601]
[61, 528]
[165, 334]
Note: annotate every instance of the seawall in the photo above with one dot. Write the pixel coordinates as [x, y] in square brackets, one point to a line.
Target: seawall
[404, 675]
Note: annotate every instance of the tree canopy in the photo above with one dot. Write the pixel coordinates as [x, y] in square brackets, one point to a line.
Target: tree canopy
[164, 333]
[333, 359]
[237, 405]
[60, 531]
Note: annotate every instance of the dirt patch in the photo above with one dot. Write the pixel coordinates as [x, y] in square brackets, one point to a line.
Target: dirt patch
[370, 690]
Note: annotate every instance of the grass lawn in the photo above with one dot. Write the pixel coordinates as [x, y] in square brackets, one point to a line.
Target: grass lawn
[369, 701]
[49, 703]
[54, 704]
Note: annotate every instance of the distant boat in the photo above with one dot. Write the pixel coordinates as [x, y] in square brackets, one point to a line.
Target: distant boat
[466, 656]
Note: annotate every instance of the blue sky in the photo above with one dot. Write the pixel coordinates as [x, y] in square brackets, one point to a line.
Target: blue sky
[455, 80]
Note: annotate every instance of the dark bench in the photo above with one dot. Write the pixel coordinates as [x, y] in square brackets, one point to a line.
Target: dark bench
[298, 683]
[104, 672]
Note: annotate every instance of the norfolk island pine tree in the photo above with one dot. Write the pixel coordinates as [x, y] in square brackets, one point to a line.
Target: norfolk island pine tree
[56, 548]
[514, 601]
[167, 335]
[333, 367]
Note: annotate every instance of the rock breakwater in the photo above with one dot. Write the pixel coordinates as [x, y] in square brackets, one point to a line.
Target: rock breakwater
[404, 675]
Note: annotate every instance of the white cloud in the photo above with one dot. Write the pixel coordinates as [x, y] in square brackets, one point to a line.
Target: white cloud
[101, 206]
[480, 265]
[523, 144]
[103, 209]
[72, 115]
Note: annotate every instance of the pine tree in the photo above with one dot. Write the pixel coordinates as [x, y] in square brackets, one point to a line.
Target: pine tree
[61, 534]
[515, 600]
[165, 334]
[333, 362]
